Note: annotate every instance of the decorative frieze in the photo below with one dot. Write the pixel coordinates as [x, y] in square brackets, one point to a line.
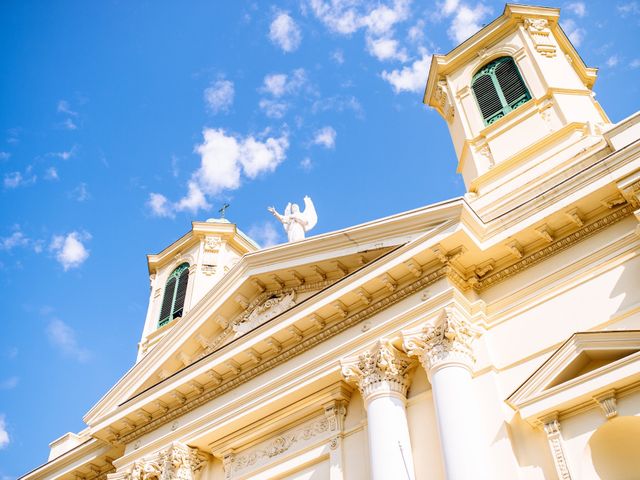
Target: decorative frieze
[239, 463]
[382, 370]
[448, 339]
[178, 462]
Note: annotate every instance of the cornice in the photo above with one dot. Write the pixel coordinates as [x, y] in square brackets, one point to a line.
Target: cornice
[250, 264]
[92, 447]
[328, 332]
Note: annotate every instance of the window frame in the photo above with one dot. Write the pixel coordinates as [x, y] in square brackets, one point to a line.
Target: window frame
[175, 274]
[506, 106]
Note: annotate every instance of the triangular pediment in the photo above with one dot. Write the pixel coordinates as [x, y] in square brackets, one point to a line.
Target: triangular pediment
[264, 288]
[585, 355]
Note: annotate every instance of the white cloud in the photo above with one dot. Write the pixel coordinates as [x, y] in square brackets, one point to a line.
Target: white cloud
[51, 174]
[224, 160]
[338, 56]
[69, 250]
[4, 435]
[273, 108]
[612, 61]
[64, 155]
[159, 205]
[194, 200]
[577, 8]
[219, 96]
[64, 107]
[635, 63]
[347, 16]
[306, 164]
[630, 8]
[386, 49]
[17, 179]
[5, 155]
[275, 84]
[466, 20]
[338, 103]
[377, 19]
[81, 193]
[265, 234]
[63, 337]
[412, 78]
[285, 33]
[575, 33]
[10, 383]
[416, 32]
[69, 124]
[279, 84]
[326, 137]
[16, 239]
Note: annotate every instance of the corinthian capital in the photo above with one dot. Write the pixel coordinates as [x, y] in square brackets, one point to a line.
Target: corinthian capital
[383, 370]
[447, 340]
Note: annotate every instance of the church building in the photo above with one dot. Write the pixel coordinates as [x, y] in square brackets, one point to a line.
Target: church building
[491, 336]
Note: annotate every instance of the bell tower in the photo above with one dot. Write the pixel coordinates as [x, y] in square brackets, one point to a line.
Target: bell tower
[518, 101]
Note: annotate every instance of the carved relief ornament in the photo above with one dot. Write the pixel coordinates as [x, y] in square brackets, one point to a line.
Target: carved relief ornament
[540, 33]
[381, 370]
[178, 462]
[448, 339]
[444, 104]
[264, 312]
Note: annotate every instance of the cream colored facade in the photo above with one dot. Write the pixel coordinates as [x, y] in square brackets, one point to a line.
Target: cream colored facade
[495, 336]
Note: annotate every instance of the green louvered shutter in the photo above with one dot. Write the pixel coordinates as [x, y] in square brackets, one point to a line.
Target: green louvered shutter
[487, 96]
[167, 301]
[513, 88]
[499, 89]
[175, 291]
[181, 292]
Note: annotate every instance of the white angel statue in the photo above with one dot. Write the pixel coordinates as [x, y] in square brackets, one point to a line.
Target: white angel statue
[295, 222]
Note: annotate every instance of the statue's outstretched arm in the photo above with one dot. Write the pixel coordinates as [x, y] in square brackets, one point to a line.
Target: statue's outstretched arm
[275, 213]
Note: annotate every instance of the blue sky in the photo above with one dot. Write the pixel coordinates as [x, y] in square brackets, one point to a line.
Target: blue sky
[121, 122]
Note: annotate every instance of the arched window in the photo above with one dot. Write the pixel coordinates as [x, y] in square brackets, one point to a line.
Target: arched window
[174, 293]
[499, 89]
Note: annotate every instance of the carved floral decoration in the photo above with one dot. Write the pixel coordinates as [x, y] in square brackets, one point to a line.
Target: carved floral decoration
[383, 368]
[448, 339]
[178, 462]
[264, 312]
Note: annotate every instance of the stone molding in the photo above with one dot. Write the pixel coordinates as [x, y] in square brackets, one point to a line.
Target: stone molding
[327, 426]
[551, 427]
[178, 462]
[382, 371]
[447, 340]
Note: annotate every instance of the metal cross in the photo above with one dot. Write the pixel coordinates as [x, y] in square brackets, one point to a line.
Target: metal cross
[223, 210]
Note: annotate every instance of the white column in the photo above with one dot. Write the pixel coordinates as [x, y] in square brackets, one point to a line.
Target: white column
[382, 376]
[444, 349]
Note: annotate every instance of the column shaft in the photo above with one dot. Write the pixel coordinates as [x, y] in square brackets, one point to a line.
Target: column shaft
[389, 443]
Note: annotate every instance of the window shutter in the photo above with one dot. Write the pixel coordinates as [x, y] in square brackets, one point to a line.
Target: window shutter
[167, 301]
[487, 96]
[499, 89]
[511, 83]
[181, 293]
